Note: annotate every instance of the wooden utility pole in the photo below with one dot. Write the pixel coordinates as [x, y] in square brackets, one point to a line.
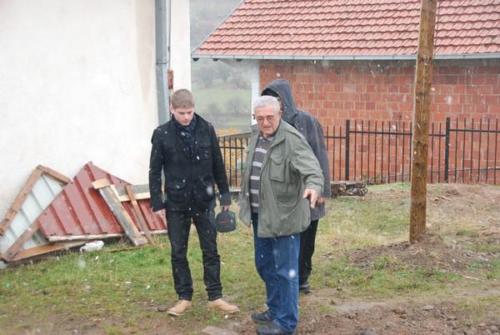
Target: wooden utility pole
[423, 80]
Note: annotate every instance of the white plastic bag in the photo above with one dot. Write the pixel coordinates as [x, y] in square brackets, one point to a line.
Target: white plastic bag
[92, 246]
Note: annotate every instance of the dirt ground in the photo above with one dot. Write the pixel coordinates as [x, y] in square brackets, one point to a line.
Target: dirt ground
[475, 205]
[430, 315]
[443, 248]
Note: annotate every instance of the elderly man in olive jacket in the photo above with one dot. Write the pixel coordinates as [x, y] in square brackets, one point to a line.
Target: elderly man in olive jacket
[282, 179]
[310, 127]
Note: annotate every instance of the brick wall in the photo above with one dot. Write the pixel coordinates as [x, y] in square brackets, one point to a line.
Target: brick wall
[383, 90]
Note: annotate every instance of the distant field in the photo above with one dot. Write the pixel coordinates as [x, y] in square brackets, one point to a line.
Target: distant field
[222, 116]
[219, 95]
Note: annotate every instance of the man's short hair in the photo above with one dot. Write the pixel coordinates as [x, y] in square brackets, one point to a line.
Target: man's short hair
[182, 98]
[266, 100]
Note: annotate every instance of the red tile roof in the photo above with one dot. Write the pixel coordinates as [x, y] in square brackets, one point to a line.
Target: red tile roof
[319, 29]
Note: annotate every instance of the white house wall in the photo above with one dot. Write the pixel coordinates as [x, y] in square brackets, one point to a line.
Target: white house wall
[77, 84]
[254, 84]
[180, 61]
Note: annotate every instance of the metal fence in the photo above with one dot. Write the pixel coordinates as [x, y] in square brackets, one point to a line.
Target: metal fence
[461, 151]
[233, 148]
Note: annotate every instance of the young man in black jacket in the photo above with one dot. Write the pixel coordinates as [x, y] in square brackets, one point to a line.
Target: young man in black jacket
[308, 126]
[186, 150]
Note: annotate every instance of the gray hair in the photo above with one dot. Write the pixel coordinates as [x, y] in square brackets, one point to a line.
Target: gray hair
[265, 101]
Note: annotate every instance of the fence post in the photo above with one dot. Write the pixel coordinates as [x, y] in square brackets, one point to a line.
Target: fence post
[347, 136]
[447, 150]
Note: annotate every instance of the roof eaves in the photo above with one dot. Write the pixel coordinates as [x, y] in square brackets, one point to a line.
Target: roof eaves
[492, 55]
[350, 57]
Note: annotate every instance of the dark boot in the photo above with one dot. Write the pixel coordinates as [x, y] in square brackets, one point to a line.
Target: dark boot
[262, 318]
[304, 288]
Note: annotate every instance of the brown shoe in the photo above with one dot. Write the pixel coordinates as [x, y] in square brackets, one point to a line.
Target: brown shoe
[179, 308]
[223, 306]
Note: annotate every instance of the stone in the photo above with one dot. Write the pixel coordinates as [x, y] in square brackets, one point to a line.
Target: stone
[428, 308]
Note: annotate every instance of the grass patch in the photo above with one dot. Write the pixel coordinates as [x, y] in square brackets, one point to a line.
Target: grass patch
[384, 278]
[127, 286]
[481, 246]
[467, 233]
[479, 309]
[494, 270]
[359, 222]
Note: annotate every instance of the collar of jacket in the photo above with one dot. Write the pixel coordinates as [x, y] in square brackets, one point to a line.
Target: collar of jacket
[189, 128]
[279, 135]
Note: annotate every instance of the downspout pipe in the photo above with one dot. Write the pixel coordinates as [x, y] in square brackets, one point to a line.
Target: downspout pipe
[162, 38]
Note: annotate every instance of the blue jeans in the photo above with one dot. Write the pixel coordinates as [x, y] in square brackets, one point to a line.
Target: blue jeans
[277, 262]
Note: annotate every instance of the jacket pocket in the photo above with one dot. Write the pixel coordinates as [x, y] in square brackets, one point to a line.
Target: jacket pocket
[204, 153]
[204, 190]
[176, 190]
[277, 168]
[284, 192]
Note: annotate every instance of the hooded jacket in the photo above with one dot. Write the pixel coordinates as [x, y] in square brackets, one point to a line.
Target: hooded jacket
[309, 127]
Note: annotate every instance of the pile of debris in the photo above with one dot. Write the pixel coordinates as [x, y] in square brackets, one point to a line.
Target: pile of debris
[348, 188]
[53, 213]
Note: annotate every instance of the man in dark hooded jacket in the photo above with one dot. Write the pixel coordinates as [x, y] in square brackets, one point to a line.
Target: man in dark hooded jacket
[308, 126]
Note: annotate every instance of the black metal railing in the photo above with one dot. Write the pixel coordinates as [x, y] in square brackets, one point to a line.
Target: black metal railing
[462, 151]
[233, 148]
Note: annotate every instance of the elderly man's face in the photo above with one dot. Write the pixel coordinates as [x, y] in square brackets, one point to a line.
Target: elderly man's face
[267, 119]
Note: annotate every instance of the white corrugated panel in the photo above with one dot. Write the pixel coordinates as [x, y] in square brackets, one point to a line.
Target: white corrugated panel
[43, 192]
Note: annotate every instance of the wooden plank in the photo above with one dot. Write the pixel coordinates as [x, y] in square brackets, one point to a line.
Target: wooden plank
[138, 196]
[100, 183]
[141, 192]
[423, 81]
[54, 174]
[96, 237]
[44, 249]
[137, 214]
[18, 201]
[18, 244]
[82, 237]
[119, 212]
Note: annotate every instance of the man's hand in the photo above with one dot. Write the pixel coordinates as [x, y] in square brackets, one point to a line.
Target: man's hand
[225, 208]
[160, 214]
[312, 195]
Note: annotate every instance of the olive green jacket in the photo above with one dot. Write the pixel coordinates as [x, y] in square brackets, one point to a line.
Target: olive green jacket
[288, 169]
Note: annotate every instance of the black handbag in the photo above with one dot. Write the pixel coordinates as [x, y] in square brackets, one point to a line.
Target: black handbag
[225, 221]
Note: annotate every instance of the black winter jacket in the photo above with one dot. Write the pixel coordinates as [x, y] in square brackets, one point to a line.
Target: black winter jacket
[189, 183]
[309, 127]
